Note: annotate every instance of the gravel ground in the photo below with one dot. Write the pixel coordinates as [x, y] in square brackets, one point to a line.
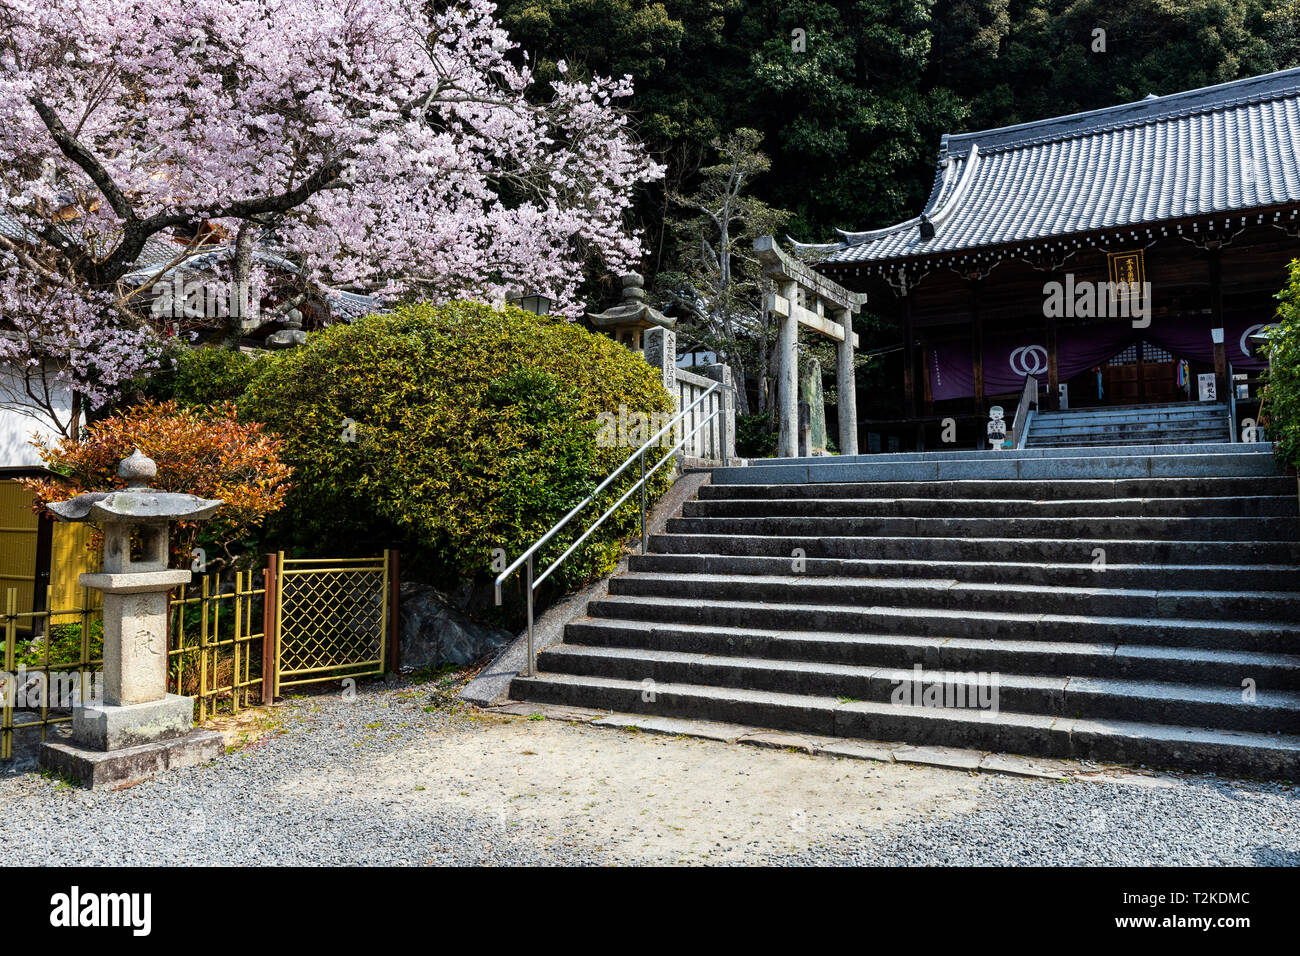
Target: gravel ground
[1193, 821]
[399, 775]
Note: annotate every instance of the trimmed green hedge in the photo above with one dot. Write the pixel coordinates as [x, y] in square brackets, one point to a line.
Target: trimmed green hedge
[1280, 412]
[453, 430]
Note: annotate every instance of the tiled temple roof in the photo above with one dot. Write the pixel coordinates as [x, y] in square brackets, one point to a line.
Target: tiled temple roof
[1210, 152]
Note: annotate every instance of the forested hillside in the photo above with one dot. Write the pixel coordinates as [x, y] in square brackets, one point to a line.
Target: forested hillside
[851, 116]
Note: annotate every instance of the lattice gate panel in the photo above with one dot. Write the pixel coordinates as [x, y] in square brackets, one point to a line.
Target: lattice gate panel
[332, 618]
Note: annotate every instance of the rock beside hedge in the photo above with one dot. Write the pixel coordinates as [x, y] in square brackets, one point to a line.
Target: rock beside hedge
[434, 632]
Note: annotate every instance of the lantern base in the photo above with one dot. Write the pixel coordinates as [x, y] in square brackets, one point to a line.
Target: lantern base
[115, 768]
[103, 726]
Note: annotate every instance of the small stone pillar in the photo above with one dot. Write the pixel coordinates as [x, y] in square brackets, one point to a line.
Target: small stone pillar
[810, 392]
[138, 729]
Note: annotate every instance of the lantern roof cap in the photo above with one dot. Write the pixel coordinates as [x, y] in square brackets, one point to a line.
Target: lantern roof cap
[138, 504]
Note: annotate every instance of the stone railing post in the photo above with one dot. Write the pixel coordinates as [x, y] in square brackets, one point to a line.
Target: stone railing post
[727, 420]
[659, 346]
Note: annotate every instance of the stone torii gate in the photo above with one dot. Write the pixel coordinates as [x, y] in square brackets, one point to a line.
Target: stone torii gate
[804, 297]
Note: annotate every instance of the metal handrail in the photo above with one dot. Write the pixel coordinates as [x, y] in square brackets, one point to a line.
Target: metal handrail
[526, 559]
[1024, 410]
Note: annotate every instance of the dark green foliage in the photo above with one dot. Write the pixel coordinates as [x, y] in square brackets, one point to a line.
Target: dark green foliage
[852, 122]
[200, 377]
[64, 647]
[1280, 411]
[753, 437]
[1052, 61]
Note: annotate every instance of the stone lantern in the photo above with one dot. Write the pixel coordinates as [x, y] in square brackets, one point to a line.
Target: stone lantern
[138, 729]
[630, 320]
[642, 328]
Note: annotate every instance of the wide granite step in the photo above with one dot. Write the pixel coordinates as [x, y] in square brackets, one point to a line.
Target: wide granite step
[1166, 745]
[1191, 665]
[1205, 577]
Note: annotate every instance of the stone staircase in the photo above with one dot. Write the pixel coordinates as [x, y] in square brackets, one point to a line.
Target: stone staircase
[1175, 424]
[1121, 598]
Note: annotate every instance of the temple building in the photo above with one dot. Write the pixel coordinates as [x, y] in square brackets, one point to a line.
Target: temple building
[1098, 253]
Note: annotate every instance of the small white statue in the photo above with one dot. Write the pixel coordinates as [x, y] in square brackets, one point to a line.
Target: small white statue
[997, 430]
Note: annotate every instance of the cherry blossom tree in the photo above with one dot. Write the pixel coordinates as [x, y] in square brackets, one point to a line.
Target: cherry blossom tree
[385, 146]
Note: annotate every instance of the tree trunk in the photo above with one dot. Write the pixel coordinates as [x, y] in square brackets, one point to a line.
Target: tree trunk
[738, 380]
[74, 426]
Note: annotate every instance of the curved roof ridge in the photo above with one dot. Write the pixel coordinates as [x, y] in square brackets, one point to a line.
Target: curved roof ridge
[953, 199]
[951, 173]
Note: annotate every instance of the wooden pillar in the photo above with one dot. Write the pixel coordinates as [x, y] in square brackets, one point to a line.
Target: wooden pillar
[41, 572]
[270, 659]
[394, 611]
[909, 369]
[846, 387]
[788, 377]
[1221, 383]
[977, 343]
[1053, 370]
[909, 357]
[977, 355]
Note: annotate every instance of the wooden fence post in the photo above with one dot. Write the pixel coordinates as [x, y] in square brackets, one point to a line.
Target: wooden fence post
[269, 637]
[394, 619]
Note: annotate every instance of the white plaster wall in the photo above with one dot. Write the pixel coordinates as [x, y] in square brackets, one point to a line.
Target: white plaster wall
[17, 429]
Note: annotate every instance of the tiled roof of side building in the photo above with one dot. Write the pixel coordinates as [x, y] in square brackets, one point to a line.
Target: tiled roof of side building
[162, 259]
[1217, 150]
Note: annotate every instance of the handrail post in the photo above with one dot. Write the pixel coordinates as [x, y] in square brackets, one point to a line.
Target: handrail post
[643, 501]
[639, 455]
[531, 649]
[1232, 404]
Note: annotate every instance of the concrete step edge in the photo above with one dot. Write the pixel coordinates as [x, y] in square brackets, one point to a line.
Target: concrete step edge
[1153, 652]
[797, 581]
[1282, 700]
[1041, 619]
[1119, 728]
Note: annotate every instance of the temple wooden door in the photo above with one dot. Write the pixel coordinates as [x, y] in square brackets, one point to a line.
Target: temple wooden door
[1142, 374]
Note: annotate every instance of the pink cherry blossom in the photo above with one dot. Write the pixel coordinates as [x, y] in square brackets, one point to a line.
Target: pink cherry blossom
[387, 146]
